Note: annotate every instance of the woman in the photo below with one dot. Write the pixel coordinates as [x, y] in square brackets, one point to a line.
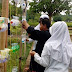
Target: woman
[57, 50]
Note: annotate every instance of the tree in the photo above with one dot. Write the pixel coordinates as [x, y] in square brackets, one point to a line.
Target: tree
[68, 18]
[13, 10]
[32, 18]
[52, 7]
[32, 15]
[57, 18]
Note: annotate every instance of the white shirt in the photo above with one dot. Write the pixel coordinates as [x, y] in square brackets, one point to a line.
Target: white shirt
[48, 62]
[57, 51]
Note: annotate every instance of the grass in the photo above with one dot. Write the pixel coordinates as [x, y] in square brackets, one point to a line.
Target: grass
[70, 31]
[14, 57]
[69, 24]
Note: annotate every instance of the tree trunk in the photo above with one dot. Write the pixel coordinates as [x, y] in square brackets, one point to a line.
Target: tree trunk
[50, 18]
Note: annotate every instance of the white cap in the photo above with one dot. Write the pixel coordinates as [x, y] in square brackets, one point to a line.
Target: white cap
[44, 16]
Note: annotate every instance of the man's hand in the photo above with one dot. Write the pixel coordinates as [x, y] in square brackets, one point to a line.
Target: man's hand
[25, 25]
[27, 39]
[0, 28]
[32, 53]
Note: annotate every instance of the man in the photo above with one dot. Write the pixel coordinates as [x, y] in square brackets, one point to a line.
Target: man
[31, 40]
[41, 36]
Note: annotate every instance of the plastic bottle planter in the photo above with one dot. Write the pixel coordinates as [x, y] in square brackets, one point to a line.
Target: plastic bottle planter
[23, 38]
[3, 60]
[15, 69]
[16, 17]
[23, 5]
[4, 55]
[2, 20]
[17, 1]
[14, 22]
[3, 28]
[14, 44]
[3, 25]
[15, 47]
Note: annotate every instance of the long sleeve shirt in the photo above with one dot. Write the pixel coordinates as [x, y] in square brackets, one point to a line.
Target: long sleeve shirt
[48, 62]
[41, 37]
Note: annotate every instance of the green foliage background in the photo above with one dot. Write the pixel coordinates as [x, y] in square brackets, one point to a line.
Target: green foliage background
[33, 15]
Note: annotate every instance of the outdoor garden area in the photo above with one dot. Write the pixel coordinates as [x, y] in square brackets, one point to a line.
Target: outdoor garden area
[14, 49]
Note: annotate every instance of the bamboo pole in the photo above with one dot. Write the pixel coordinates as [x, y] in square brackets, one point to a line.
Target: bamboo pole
[20, 54]
[24, 14]
[4, 14]
[1, 67]
[10, 35]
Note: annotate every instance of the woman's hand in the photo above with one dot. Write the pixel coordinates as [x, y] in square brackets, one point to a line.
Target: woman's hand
[32, 53]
